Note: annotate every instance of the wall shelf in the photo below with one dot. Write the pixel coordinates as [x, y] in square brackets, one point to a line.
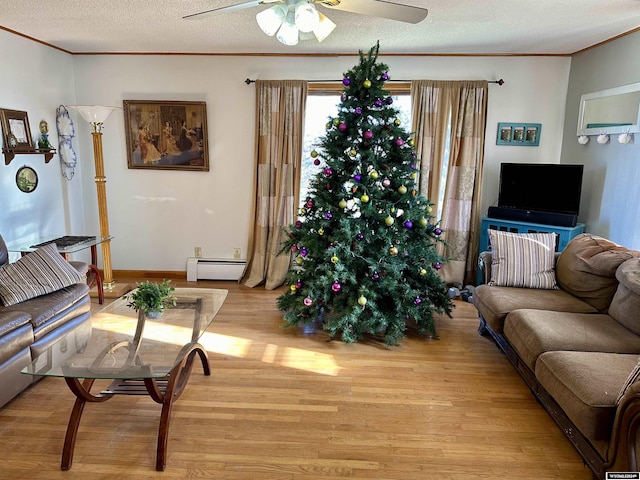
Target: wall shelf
[9, 153]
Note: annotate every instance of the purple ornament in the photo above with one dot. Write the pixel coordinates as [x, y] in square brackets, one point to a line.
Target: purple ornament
[437, 231]
[358, 111]
[437, 265]
[399, 142]
[327, 172]
[413, 165]
[316, 162]
[342, 127]
[303, 252]
[368, 134]
[357, 177]
[389, 100]
[359, 236]
[309, 204]
[298, 224]
[346, 81]
[375, 277]
[408, 224]
[328, 215]
[384, 76]
[336, 287]
[378, 102]
[298, 284]
[417, 301]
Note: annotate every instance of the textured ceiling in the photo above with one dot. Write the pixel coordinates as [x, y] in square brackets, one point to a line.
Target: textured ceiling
[452, 27]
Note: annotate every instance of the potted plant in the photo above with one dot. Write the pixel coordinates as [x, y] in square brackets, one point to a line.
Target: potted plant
[151, 298]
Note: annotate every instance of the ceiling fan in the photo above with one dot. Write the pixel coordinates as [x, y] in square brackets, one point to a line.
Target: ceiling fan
[293, 19]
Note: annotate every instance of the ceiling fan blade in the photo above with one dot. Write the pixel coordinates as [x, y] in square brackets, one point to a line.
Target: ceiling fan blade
[378, 8]
[232, 8]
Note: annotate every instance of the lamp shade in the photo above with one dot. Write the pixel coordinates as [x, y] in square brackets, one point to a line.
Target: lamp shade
[288, 33]
[269, 20]
[324, 28]
[306, 16]
[94, 114]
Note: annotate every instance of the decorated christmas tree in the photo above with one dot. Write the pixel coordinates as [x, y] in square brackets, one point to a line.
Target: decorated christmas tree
[364, 251]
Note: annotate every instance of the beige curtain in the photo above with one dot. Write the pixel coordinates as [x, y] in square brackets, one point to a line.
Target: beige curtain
[457, 109]
[280, 108]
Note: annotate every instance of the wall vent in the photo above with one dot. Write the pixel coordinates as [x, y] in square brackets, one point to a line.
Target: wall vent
[214, 269]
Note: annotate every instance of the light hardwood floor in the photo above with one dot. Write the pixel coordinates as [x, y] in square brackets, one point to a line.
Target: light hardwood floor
[281, 405]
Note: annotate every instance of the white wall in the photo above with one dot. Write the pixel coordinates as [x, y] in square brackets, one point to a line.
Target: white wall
[610, 204]
[157, 217]
[37, 79]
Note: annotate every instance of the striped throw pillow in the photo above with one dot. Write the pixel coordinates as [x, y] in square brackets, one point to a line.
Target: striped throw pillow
[37, 273]
[633, 377]
[523, 259]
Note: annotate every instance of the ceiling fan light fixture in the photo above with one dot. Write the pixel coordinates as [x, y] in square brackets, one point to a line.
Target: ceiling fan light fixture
[271, 19]
[288, 32]
[306, 16]
[324, 28]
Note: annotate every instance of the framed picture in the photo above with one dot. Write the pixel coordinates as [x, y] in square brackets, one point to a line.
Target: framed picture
[15, 130]
[505, 134]
[519, 134]
[26, 179]
[166, 135]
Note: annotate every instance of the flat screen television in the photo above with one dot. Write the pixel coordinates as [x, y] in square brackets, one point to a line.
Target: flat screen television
[541, 187]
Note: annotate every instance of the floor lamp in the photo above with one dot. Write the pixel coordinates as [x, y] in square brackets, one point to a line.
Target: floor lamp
[96, 116]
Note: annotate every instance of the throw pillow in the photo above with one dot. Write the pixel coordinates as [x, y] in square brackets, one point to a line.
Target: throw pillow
[523, 259]
[37, 273]
[587, 269]
[633, 377]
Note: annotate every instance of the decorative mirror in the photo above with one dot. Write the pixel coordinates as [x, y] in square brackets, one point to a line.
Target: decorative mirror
[26, 179]
[615, 110]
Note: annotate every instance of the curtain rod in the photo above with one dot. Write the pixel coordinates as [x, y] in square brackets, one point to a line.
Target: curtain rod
[248, 81]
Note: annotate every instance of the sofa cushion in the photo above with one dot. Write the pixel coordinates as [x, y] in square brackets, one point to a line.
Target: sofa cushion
[534, 332]
[585, 385]
[495, 303]
[632, 378]
[626, 301]
[37, 273]
[523, 259]
[587, 266]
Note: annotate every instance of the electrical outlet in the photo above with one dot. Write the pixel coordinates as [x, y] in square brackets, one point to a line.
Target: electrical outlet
[198, 252]
[236, 253]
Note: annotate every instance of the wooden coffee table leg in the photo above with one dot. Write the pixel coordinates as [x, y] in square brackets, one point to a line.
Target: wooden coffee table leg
[81, 391]
[178, 378]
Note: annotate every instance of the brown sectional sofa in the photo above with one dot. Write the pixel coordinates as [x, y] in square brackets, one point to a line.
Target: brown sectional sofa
[29, 327]
[577, 345]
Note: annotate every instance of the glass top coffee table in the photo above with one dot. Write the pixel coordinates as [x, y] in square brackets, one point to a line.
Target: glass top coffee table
[142, 356]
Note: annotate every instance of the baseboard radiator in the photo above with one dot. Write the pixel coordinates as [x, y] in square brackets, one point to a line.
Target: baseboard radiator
[214, 269]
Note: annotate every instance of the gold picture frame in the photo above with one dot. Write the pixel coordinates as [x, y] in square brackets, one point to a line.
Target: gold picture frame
[16, 132]
[166, 135]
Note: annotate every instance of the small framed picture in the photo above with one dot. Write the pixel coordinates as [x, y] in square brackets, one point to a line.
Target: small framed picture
[505, 134]
[519, 134]
[15, 130]
[531, 135]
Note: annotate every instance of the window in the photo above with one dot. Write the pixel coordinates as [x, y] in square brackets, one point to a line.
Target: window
[322, 103]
